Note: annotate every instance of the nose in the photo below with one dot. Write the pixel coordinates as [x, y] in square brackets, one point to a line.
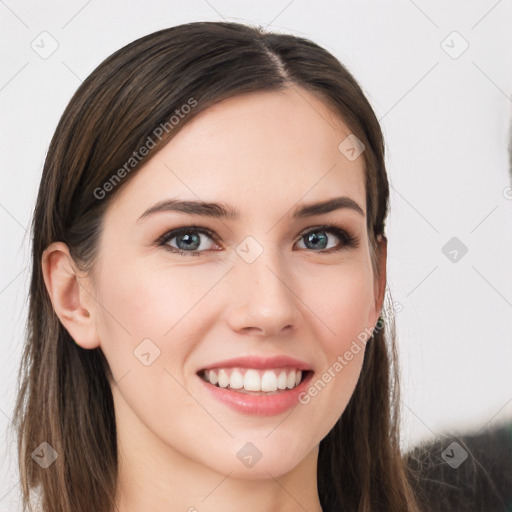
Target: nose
[263, 300]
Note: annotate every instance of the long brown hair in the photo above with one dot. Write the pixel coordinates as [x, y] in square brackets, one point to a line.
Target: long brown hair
[64, 396]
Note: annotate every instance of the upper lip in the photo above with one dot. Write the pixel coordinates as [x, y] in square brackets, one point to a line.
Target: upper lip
[261, 363]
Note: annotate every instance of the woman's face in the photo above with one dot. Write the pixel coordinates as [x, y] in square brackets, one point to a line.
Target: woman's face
[265, 284]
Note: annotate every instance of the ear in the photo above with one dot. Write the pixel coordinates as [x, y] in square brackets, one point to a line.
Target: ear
[71, 300]
[380, 281]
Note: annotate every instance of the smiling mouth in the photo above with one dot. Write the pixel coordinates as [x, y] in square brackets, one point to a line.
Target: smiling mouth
[255, 382]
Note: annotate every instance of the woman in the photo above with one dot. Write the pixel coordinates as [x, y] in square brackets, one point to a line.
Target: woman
[209, 271]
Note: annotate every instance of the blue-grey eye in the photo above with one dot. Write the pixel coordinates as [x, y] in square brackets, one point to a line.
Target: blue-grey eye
[188, 241]
[318, 239]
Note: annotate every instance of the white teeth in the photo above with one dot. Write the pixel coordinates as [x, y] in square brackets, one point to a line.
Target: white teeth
[223, 379]
[269, 381]
[281, 381]
[212, 377]
[254, 380]
[290, 383]
[237, 380]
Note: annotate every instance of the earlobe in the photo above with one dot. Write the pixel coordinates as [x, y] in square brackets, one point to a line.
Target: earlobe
[70, 300]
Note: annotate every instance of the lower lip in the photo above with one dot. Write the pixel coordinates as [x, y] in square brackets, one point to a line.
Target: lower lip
[259, 405]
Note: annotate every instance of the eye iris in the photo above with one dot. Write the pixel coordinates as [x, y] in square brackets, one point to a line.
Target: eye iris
[191, 240]
[314, 239]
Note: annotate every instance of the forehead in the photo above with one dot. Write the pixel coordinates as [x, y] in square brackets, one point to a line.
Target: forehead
[256, 151]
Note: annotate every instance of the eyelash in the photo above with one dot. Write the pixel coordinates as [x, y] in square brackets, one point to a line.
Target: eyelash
[347, 240]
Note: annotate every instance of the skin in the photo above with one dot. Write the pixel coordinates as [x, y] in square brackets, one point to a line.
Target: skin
[264, 154]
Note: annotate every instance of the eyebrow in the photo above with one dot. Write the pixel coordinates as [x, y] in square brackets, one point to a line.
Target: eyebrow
[223, 211]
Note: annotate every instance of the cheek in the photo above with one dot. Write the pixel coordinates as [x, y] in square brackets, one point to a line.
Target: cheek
[148, 301]
[146, 336]
[341, 301]
[152, 302]
[132, 302]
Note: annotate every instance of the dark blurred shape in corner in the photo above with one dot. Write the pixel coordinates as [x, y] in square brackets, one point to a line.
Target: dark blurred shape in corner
[469, 473]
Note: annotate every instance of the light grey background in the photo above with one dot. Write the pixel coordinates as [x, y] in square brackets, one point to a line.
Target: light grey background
[445, 114]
